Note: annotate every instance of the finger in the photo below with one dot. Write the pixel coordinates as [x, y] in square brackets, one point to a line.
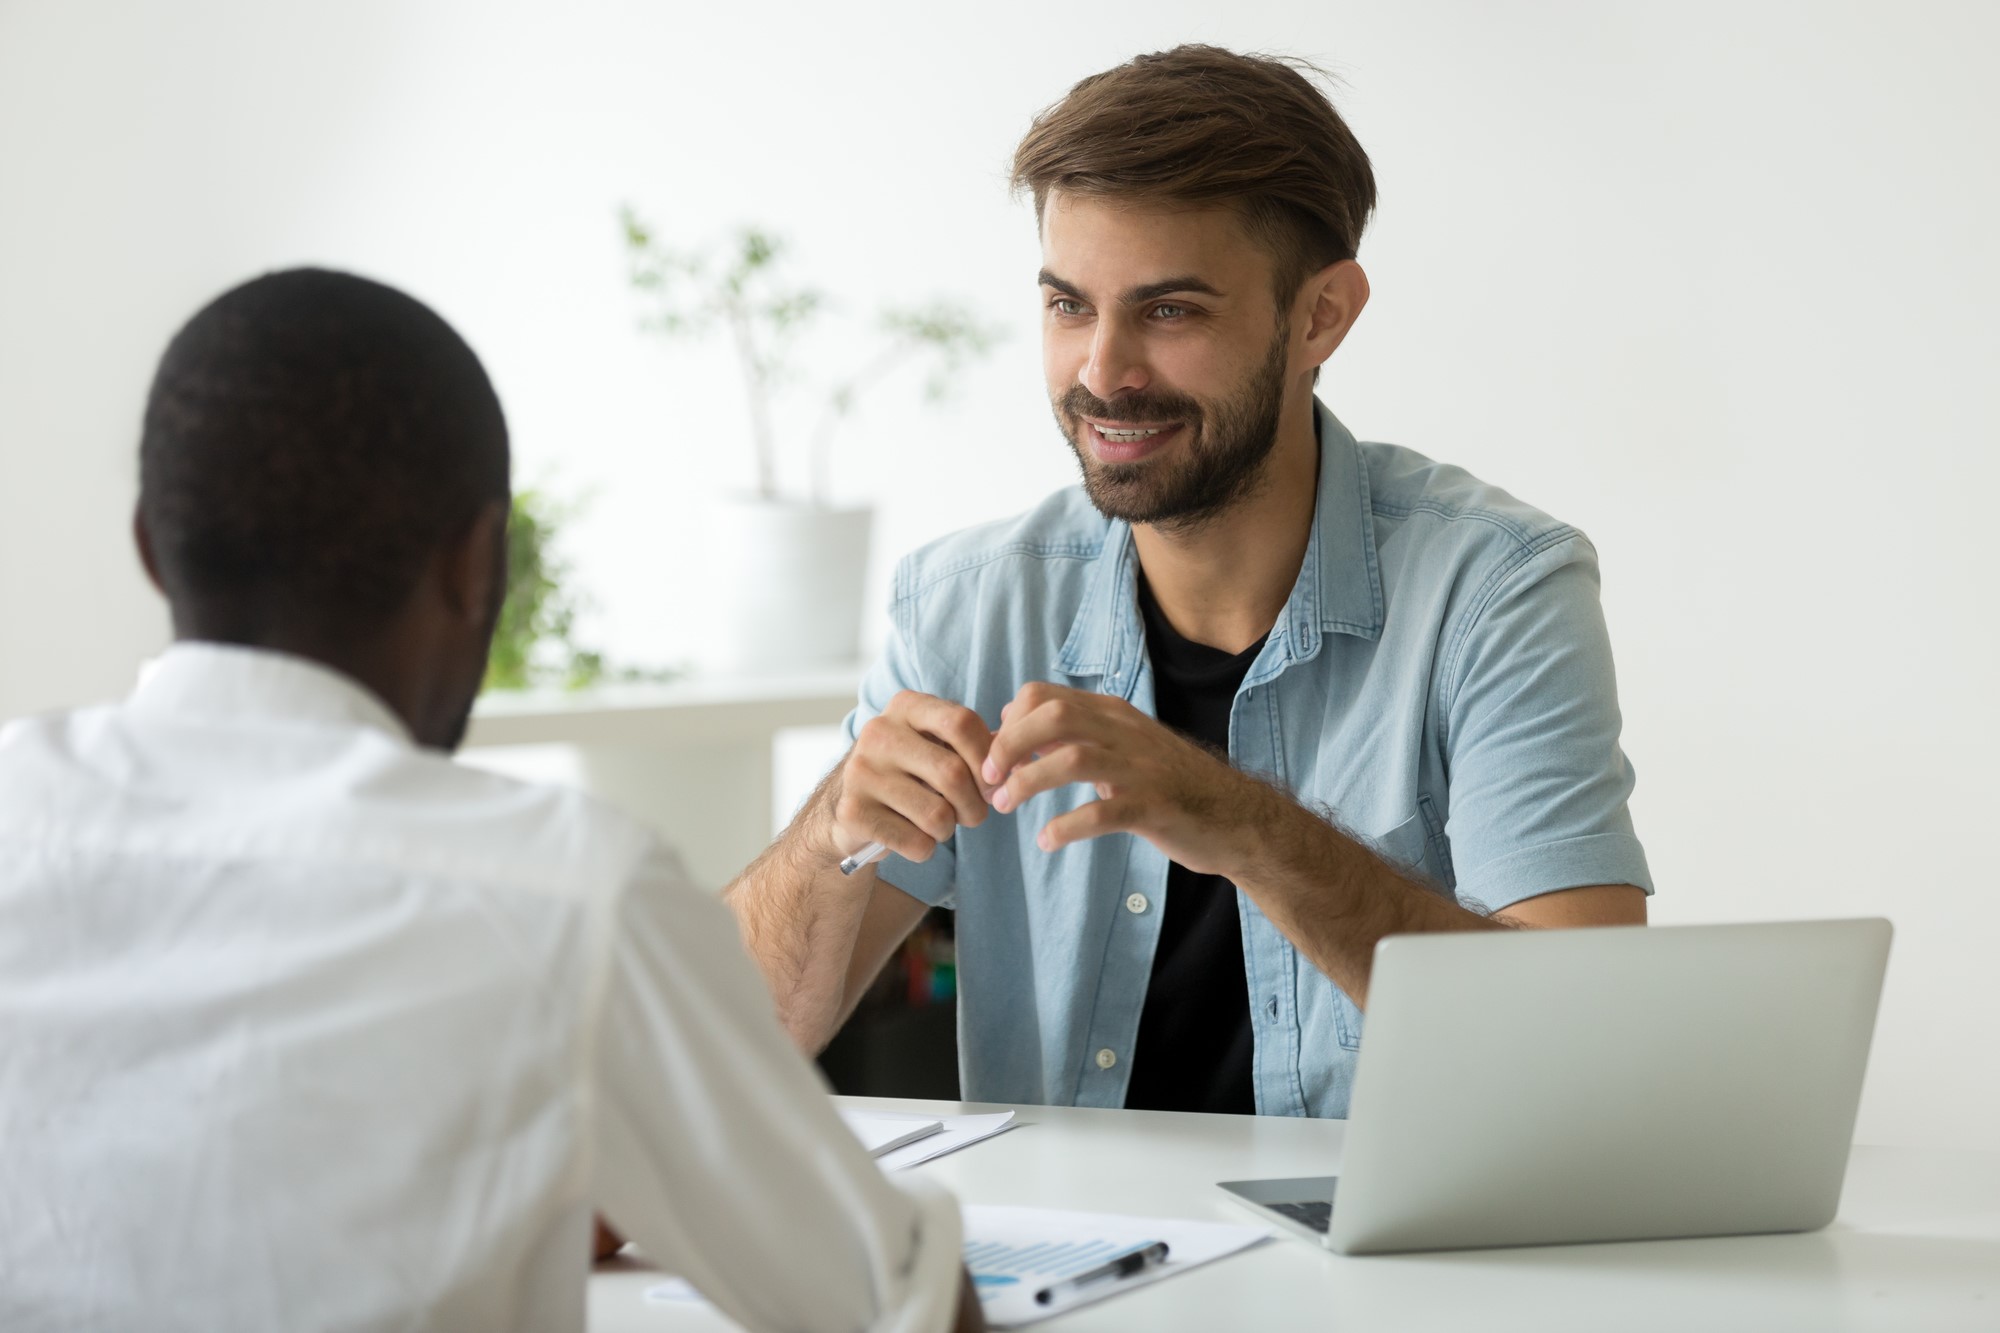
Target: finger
[940, 768]
[1030, 697]
[899, 835]
[918, 803]
[1033, 695]
[1068, 717]
[961, 729]
[888, 744]
[953, 726]
[1092, 819]
[894, 809]
[1056, 768]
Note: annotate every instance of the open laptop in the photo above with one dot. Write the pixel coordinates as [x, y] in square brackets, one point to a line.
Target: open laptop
[1543, 1086]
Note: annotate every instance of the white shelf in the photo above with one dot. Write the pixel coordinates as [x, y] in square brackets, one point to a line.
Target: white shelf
[697, 711]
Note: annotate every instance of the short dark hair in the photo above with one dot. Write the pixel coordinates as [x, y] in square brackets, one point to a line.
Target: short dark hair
[311, 440]
[1202, 126]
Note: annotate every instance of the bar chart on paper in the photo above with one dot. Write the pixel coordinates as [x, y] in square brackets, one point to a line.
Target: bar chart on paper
[996, 1265]
[1015, 1252]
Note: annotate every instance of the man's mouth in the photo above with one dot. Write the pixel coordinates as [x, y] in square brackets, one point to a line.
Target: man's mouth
[1128, 441]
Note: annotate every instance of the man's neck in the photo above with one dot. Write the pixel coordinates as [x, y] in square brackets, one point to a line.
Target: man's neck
[1224, 583]
[384, 659]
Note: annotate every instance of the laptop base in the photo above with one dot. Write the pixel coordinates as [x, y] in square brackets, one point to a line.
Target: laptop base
[1302, 1205]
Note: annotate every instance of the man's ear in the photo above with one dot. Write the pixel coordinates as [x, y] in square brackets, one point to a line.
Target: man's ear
[474, 568]
[143, 539]
[1333, 299]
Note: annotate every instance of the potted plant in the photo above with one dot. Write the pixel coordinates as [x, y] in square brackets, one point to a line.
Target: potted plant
[534, 642]
[791, 562]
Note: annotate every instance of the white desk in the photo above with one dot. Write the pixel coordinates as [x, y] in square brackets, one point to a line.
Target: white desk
[1917, 1245]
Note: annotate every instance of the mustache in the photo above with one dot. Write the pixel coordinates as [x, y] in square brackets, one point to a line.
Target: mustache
[1078, 401]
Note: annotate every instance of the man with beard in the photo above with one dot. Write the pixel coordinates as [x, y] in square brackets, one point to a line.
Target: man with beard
[1263, 695]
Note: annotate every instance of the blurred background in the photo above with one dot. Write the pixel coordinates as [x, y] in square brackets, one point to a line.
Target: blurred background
[1715, 282]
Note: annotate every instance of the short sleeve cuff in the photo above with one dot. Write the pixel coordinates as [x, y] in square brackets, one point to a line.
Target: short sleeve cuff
[929, 882]
[1602, 858]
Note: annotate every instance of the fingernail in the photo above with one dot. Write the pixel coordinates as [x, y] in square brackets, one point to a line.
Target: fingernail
[1003, 800]
[991, 772]
[1042, 841]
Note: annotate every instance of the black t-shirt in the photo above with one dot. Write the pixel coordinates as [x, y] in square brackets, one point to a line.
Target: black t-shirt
[1195, 1046]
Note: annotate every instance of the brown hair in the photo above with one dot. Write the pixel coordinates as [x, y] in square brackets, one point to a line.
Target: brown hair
[1199, 126]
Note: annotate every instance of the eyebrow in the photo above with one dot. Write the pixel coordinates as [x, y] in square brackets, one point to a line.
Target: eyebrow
[1180, 282]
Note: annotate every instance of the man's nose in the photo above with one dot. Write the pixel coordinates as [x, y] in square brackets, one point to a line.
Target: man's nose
[1115, 364]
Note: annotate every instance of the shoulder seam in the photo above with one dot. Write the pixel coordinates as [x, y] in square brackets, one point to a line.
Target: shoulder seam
[1524, 538]
[1040, 550]
[1448, 673]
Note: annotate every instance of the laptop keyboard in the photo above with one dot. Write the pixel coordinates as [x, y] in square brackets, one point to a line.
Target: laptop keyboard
[1317, 1215]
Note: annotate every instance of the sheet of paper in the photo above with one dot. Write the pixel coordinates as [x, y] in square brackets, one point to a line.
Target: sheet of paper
[959, 1131]
[1015, 1252]
[884, 1131]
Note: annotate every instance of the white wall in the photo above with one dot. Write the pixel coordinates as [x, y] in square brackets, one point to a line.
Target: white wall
[1715, 282]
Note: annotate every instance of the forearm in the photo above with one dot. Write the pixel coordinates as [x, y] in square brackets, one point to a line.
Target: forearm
[1329, 893]
[800, 917]
[1333, 896]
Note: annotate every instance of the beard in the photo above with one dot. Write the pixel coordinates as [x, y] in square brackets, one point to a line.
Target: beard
[1220, 464]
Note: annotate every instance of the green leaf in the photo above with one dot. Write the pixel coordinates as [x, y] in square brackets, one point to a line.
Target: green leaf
[534, 641]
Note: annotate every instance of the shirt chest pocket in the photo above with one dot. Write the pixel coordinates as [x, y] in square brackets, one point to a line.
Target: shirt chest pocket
[1409, 847]
[1419, 847]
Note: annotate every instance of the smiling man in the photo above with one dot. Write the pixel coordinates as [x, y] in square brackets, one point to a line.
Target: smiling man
[1263, 694]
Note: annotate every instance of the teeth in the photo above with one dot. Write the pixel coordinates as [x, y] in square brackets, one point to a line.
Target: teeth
[1127, 436]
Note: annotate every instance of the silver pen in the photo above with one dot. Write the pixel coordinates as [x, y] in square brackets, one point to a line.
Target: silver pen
[1149, 1254]
[867, 856]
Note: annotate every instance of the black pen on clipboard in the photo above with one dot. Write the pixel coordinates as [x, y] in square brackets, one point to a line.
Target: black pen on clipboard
[1150, 1254]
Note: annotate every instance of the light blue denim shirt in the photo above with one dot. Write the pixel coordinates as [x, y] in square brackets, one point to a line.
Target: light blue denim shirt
[1439, 682]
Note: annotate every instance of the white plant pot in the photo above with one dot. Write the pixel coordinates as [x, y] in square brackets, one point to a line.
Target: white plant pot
[783, 582]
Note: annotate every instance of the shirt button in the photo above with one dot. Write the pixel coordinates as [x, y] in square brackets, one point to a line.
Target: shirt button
[1106, 1058]
[1136, 903]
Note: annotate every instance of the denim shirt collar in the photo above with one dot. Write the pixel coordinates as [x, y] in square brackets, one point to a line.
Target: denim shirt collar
[1339, 587]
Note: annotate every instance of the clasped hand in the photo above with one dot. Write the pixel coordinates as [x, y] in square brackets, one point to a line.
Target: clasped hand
[925, 766]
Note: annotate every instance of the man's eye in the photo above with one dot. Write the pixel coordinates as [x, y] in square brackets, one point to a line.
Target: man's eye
[1170, 311]
[1063, 305]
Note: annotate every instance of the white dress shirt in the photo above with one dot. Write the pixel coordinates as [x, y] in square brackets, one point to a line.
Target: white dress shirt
[305, 1027]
